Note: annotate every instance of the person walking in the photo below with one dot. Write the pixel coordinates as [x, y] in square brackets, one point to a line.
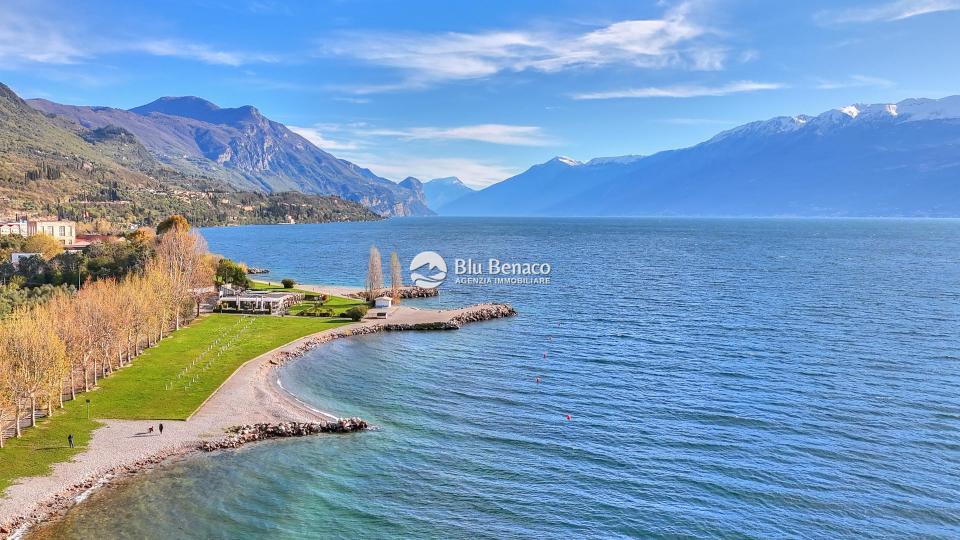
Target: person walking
[161, 429]
[70, 440]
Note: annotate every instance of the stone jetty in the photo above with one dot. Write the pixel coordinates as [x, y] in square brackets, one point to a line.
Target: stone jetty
[241, 435]
[418, 321]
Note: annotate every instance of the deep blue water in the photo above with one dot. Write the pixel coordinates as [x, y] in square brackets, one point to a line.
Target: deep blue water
[724, 378]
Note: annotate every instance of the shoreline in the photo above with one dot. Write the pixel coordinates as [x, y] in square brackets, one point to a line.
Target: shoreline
[251, 394]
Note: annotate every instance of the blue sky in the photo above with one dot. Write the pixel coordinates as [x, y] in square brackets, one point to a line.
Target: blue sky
[482, 90]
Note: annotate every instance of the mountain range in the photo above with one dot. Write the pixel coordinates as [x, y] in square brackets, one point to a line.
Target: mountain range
[896, 159]
[243, 149]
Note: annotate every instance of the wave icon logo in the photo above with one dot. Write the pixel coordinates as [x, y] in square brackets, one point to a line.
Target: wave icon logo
[428, 270]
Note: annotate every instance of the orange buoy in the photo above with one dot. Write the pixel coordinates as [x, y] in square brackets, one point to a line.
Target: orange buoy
[568, 417]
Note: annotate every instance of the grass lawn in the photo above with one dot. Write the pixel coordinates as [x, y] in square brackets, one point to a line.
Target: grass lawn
[150, 389]
[40, 447]
[166, 383]
[334, 304]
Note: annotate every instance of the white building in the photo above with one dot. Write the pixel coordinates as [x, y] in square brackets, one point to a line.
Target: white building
[381, 307]
[13, 227]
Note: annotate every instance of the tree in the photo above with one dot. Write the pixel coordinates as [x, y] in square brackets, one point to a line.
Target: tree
[231, 273]
[182, 255]
[8, 395]
[396, 277]
[374, 274]
[287, 283]
[173, 223]
[355, 313]
[36, 355]
[144, 236]
[47, 246]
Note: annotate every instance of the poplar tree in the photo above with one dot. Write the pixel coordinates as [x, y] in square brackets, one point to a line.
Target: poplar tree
[396, 277]
[374, 274]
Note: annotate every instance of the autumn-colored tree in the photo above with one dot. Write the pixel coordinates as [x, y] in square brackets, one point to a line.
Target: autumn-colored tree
[173, 223]
[182, 255]
[47, 246]
[143, 235]
[396, 277]
[71, 331]
[159, 284]
[53, 356]
[36, 356]
[374, 274]
[8, 395]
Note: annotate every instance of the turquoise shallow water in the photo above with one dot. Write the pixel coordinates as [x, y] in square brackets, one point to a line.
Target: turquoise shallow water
[724, 378]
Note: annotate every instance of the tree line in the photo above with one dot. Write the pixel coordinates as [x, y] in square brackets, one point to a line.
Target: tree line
[53, 349]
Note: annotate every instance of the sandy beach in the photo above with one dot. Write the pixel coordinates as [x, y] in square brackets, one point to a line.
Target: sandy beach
[251, 394]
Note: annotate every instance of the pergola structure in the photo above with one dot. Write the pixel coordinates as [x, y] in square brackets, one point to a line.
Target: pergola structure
[266, 302]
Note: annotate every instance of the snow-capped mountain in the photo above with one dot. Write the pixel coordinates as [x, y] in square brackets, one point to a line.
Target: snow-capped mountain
[442, 191]
[887, 159]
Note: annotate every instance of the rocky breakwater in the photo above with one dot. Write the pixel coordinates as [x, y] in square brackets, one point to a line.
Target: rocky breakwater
[481, 312]
[241, 435]
[403, 292]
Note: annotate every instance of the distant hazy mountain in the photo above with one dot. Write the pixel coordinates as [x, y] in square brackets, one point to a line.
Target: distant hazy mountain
[898, 159]
[242, 147]
[442, 191]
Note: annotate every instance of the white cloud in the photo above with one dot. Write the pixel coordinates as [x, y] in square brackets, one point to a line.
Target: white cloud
[681, 91]
[425, 59]
[313, 135]
[25, 38]
[885, 11]
[34, 34]
[505, 134]
[854, 81]
[200, 52]
[489, 133]
[477, 174]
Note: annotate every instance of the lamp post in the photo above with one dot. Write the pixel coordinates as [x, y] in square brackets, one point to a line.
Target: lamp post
[88, 409]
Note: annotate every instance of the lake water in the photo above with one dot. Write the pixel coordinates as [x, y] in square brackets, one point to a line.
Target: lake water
[724, 378]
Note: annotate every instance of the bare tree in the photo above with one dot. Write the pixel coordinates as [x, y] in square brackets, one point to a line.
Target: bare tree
[374, 274]
[396, 277]
[183, 256]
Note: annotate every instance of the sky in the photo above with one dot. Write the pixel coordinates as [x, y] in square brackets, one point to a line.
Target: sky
[484, 90]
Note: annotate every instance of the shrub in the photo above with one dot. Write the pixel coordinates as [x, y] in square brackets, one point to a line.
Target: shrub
[355, 313]
[287, 283]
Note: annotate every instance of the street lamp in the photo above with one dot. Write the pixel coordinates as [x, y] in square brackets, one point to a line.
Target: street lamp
[88, 409]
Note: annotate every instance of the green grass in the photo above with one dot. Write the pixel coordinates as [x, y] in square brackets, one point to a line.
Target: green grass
[334, 304]
[149, 388]
[40, 447]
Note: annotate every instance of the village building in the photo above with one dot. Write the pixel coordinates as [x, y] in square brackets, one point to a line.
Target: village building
[13, 227]
[64, 232]
[263, 302]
